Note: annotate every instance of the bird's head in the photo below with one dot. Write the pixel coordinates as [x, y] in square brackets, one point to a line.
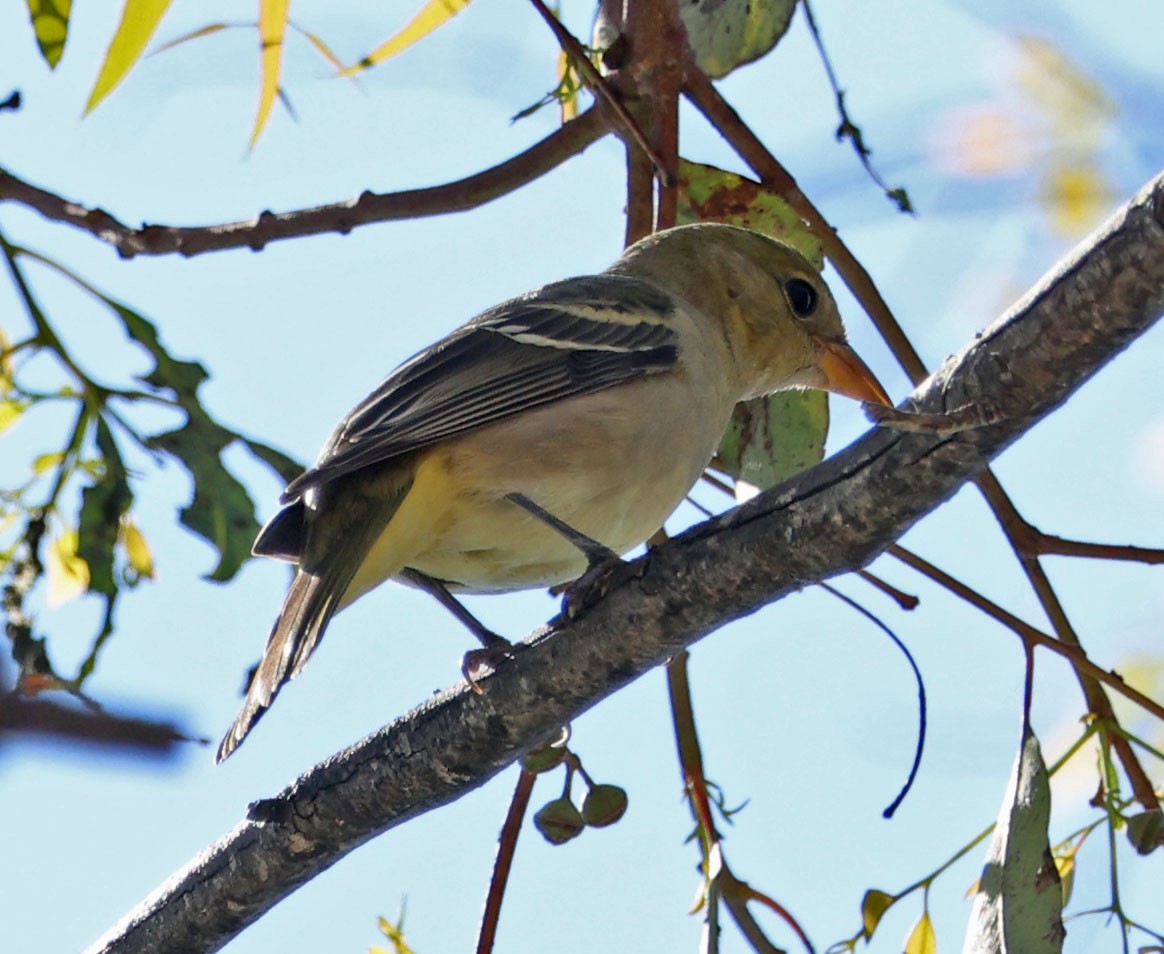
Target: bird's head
[779, 318]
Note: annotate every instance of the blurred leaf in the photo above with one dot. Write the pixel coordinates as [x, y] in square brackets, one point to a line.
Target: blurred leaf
[221, 512]
[137, 550]
[1146, 831]
[139, 20]
[181, 377]
[66, 572]
[272, 28]
[1020, 900]
[432, 15]
[395, 934]
[7, 369]
[46, 462]
[102, 506]
[725, 34]
[1075, 195]
[321, 48]
[50, 23]
[569, 83]
[922, 939]
[873, 907]
[279, 462]
[209, 30]
[10, 411]
[708, 194]
[1065, 864]
[1062, 90]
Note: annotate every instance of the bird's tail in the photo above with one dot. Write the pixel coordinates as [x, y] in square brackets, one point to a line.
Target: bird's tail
[310, 603]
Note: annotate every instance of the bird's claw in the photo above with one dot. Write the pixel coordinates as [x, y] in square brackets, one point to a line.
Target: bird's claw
[598, 580]
[488, 657]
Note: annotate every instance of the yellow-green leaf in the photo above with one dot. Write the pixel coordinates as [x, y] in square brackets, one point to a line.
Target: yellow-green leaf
[395, 934]
[272, 27]
[7, 369]
[708, 194]
[321, 47]
[432, 15]
[10, 412]
[67, 573]
[922, 939]
[45, 462]
[139, 20]
[50, 23]
[137, 550]
[569, 82]
[1076, 195]
[208, 30]
[873, 906]
[1065, 863]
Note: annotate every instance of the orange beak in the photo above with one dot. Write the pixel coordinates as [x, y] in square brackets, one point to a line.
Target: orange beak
[846, 374]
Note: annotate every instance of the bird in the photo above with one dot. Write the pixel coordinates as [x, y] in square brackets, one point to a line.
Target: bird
[583, 411]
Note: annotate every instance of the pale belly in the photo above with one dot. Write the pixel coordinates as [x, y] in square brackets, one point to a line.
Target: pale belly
[614, 479]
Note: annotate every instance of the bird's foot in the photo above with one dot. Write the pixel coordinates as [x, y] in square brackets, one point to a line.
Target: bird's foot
[494, 650]
[598, 580]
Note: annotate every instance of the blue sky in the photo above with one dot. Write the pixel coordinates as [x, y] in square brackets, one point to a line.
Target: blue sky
[804, 708]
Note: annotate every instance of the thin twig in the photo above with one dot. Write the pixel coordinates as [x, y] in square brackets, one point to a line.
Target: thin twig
[1028, 633]
[506, 846]
[597, 82]
[341, 217]
[907, 601]
[849, 129]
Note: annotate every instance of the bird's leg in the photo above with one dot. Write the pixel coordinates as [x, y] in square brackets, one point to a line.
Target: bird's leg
[493, 649]
[596, 553]
[604, 567]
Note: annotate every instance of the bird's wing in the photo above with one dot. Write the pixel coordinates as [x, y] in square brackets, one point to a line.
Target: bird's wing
[565, 339]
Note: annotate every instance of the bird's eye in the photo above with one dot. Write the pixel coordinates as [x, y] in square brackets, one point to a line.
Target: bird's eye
[801, 296]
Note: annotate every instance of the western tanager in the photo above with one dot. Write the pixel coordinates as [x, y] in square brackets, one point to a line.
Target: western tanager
[600, 399]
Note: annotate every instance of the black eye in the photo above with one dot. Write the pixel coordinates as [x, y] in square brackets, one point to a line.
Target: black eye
[801, 296]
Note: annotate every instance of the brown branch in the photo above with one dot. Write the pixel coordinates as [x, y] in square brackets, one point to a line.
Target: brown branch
[458, 196]
[907, 601]
[29, 719]
[1096, 699]
[640, 198]
[1031, 541]
[1075, 655]
[827, 521]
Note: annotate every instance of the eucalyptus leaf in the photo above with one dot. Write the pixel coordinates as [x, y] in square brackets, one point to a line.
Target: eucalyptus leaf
[708, 194]
[725, 34]
[771, 438]
[1019, 905]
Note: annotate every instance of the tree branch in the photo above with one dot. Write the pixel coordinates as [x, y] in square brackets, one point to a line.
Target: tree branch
[830, 520]
[342, 217]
